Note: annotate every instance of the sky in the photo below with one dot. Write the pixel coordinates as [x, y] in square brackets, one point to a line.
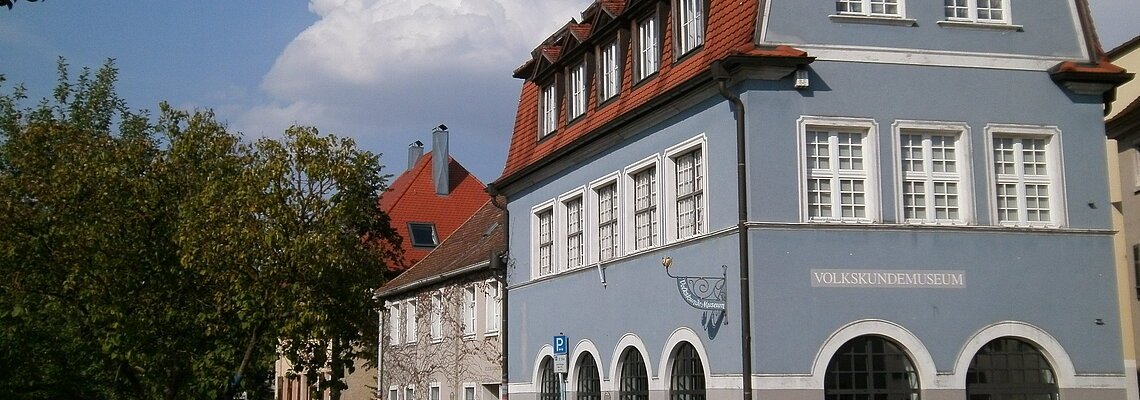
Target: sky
[383, 72]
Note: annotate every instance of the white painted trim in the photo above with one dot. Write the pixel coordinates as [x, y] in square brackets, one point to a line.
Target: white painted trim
[964, 161]
[534, 237]
[561, 233]
[680, 335]
[438, 387]
[1056, 168]
[546, 351]
[669, 187]
[1048, 346]
[626, 341]
[593, 247]
[630, 229]
[463, 388]
[910, 344]
[942, 58]
[583, 347]
[870, 160]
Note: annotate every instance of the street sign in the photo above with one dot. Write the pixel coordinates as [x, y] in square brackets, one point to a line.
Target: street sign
[560, 345]
[560, 363]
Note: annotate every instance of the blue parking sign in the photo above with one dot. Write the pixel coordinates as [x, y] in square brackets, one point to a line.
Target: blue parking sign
[560, 344]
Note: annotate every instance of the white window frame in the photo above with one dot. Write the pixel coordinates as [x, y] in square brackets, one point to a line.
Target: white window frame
[562, 233]
[1134, 148]
[576, 91]
[537, 270]
[492, 303]
[547, 110]
[963, 177]
[410, 392]
[866, 8]
[434, 392]
[668, 176]
[595, 224]
[609, 70]
[410, 321]
[470, 310]
[870, 175]
[474, 391]
[1055, 174]
[648, 53]
[393, 392]
[437, 317]
[630, 202]
[972, 11]
[394, 314]
[692, 17]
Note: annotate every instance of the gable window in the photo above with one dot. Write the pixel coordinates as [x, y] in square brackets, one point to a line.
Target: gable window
[469, 310]
[394, 324]
[1026, 174]
[436, 317]
[575, 245]
[648, 53]
[577, 85]
[839, 162]
[609, 79]
[545, 241]
[410, 320]
[877, 8]
[607, 221]
[493, 302]
[423, 234]
[934, 169]
[982, 11]
[691, 18]
[645, 208]
[548, 117]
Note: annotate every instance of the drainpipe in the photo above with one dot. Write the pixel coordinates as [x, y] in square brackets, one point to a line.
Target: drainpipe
[503, 331]
[721, 75]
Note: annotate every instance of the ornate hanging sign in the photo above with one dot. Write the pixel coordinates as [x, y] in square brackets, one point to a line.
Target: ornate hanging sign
[702, 292]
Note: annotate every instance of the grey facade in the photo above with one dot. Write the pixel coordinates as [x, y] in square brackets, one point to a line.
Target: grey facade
[818, 277]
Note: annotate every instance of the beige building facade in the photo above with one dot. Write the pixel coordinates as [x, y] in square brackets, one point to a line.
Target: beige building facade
[1122, 125]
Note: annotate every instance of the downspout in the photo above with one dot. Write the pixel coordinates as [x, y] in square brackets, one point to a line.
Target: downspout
[722, 77]
[380, 390]
[503, 331]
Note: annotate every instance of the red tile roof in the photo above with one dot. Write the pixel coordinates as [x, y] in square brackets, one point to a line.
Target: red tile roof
[470, 245]
[411, 198]
[731, 25]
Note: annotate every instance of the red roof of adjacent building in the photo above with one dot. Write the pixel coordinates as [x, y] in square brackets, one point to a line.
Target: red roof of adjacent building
[412, 198]
[471, 245]
[731, 26]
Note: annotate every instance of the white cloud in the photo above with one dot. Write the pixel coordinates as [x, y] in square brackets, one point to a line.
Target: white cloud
[381, 70]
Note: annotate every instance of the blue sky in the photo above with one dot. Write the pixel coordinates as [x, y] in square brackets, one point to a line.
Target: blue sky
[381, 71]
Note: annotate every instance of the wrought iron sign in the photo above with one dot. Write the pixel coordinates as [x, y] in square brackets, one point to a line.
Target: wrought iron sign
[701, 292]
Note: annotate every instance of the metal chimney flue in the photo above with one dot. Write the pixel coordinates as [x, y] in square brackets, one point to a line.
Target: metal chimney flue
[440, 160]
[415, 151]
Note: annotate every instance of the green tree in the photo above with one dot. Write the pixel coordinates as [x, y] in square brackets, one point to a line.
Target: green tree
[169, 259]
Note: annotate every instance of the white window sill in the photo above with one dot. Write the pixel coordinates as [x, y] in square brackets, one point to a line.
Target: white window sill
[872, 19]
[469, 336]
[491, 334]
[981, 25]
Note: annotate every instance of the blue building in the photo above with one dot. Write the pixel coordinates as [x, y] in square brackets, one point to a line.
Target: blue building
[854, 199]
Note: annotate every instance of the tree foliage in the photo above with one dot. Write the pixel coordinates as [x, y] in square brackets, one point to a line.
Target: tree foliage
[168, 258]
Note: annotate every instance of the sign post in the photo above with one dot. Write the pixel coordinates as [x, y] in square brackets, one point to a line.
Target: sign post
[561, 363]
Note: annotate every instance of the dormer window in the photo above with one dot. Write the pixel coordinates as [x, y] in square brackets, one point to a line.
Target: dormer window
[548, 113]
[648, 53]
[691, 19]
[577, 84]
[423, 234]
[609, 77]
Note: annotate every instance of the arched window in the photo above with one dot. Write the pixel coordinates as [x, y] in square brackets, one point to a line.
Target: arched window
[549, 381]
[870, 367]
[634, 378]
[688, 375]
[589, 382]
[1010, 369]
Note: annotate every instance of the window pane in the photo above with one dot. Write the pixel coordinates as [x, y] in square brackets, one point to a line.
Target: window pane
[870, 367]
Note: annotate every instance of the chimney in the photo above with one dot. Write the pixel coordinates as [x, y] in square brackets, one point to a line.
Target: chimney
[415, 151]
[439, 159]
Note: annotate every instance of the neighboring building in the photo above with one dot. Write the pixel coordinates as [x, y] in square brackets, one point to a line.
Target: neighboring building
[441, 318]
[1123, 129]
[424, 209]
[924, 214]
